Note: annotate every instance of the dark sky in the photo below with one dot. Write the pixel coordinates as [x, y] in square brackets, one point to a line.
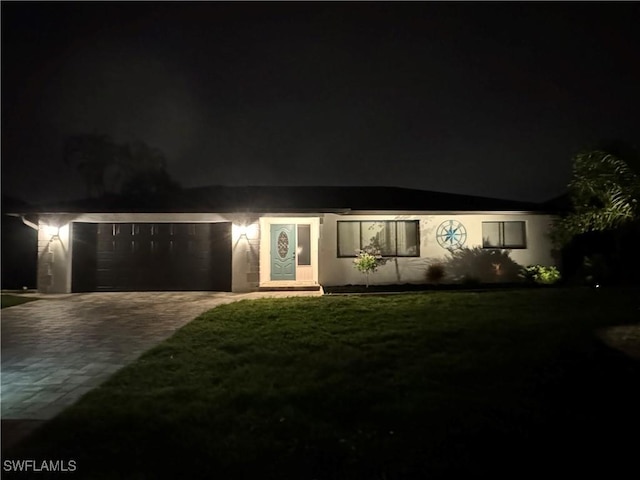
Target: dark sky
[485, 99]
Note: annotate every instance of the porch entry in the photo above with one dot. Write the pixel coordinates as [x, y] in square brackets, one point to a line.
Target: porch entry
[290, 252]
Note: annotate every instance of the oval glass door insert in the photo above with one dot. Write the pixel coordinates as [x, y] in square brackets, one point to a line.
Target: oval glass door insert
[283, 244]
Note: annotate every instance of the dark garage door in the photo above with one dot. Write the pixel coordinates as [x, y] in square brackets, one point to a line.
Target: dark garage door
[151, 256]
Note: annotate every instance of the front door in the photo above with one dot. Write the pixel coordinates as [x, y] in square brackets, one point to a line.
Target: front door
[283, 252]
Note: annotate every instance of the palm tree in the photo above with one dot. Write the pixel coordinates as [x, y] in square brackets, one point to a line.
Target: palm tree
[604, 193]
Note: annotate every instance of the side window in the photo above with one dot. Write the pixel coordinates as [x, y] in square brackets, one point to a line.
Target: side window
[504, 235]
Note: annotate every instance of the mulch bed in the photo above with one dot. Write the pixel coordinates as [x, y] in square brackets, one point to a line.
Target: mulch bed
[410, 287]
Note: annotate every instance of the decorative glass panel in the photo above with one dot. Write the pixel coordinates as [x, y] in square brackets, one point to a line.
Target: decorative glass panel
[304, 244]
[283, 244]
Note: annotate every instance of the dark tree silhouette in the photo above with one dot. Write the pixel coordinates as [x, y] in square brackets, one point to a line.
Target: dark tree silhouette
[145, 169]
[130, 169]
[92, 155]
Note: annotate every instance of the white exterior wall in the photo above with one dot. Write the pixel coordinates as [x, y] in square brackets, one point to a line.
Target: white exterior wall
[245, 263]
[341, 271]
[54, 256]
[251, 245]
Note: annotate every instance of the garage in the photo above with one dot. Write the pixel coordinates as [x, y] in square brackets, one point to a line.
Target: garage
[119, 257]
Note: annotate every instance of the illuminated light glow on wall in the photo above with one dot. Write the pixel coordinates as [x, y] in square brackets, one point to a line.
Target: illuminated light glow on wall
[52, 231]
[244, 231]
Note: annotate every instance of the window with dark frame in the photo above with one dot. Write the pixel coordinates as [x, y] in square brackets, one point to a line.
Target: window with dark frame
[504, 235]
[394, 238]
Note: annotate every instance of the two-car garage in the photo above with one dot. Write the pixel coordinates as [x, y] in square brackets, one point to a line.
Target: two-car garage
[151, 256]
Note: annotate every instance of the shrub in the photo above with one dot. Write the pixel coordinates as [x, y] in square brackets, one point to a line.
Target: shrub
[541, 274]
[435, 273]
[368, 260]
[486, 265]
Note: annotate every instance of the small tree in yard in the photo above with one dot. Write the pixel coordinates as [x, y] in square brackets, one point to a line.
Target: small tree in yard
[368, 261]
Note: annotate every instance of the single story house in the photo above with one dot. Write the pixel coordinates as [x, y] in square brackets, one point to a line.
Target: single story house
[248, 238]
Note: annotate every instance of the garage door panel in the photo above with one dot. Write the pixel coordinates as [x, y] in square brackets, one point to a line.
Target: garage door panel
[153, 257]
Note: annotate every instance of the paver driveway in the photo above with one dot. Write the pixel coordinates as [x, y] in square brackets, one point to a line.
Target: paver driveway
[58, 348]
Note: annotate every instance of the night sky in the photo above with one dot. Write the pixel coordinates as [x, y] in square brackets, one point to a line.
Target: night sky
[482, 99]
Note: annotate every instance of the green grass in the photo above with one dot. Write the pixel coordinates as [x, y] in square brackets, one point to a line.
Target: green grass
[12, 300]
[438, 385]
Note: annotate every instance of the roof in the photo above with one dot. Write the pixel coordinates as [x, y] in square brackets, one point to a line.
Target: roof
[226, 199]
[560, 204]
[12, 204]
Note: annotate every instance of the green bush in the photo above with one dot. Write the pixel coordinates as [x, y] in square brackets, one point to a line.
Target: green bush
[541, 274]
[368, 260]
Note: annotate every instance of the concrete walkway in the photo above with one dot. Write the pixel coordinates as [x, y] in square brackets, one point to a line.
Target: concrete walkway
[57, 349]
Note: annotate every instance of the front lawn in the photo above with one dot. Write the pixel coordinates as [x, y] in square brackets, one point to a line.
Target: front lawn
[11, 300]
[509, 384]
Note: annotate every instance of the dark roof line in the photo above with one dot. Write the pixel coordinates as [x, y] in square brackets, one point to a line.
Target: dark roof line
[226, 199]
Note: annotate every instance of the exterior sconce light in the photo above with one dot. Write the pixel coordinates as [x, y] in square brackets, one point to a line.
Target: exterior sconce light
[244, 231]
[53, 232]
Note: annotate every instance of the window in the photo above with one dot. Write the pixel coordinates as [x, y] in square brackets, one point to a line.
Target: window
[304, 244]
[393, 238]
[504, 235]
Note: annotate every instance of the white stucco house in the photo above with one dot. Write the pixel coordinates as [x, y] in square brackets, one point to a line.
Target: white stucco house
[248, 238]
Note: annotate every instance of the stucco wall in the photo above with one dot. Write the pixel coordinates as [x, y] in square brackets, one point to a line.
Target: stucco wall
[245, 270]
[54, 256]
[55, 251]
[340, 271]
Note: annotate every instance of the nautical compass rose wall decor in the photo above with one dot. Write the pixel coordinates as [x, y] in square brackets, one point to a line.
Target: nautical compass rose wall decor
[451, 234]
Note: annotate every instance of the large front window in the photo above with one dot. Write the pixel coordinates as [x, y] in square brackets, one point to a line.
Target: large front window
[393, 238]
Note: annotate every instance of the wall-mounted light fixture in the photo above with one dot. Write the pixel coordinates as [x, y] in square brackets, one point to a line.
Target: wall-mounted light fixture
[245, 231]
[52, 232]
